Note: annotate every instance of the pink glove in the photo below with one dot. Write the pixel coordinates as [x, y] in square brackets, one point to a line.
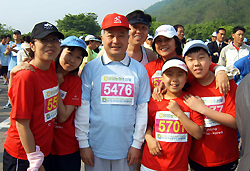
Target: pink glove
[35, 159]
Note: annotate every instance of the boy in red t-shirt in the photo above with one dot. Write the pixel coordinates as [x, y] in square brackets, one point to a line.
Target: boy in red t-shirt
[218, 147]
[171, 123]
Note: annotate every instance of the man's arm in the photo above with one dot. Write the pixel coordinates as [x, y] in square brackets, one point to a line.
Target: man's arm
[139, 133]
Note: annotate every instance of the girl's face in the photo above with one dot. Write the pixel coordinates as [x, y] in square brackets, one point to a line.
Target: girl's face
[174, 79]
[70, 60]
[165, 47]
[47, 48]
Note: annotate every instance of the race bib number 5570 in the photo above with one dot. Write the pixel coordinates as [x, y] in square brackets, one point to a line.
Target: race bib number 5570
[117, 89]
[50, 103]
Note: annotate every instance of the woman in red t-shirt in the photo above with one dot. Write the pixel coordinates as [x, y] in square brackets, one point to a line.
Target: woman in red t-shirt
[34, 98]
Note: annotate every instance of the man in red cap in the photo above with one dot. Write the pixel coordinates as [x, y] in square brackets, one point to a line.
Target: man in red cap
[112, 119]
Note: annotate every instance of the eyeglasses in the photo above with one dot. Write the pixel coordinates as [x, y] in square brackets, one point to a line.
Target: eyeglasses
[45, 41]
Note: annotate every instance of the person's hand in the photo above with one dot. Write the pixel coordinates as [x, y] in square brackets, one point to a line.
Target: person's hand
[174, 107]
[60, 78]
[194, 102]
[133, 156]
[153, 146]
[222, 82]
[41, 168]
[22, 66]
[158, 92]
[87, 156]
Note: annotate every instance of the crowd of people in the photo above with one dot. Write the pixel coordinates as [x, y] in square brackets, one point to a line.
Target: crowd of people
[127, 100]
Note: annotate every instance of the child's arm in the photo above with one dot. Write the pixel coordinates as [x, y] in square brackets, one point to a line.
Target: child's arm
[153, 145]
[35, 156]
[195, 103]
[64, 111]
[192, 128]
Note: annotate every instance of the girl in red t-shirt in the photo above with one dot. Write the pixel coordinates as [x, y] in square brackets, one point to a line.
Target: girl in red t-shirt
[171, 123]
[65, 149]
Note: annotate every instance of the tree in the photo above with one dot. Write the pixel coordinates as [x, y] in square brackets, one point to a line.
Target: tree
[154, 25]
[78, 25]
[5, 30]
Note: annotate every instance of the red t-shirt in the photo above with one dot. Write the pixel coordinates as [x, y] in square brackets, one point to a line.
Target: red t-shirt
[34, 96]
[64, 141]
[173, 138]
[154, 73]
[219, 143]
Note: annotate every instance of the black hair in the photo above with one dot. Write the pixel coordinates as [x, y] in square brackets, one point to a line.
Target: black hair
[70, 48]
[196, 49]
[187, 85]
[3, 36]
[178, 48]
[8, 35]
[177, 26]
[27, 39]
[235, 29]
[217, 31]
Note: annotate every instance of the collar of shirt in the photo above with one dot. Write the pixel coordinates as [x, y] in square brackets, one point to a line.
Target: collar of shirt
[106, 60]
[219, 44]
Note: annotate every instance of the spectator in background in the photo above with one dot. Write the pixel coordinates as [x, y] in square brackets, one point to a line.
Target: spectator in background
[24, 54]
[149, 41]
[235, 50]
[214, 36]
[97, 49]
[181, 35]
[216, 46]
[82, 37]
[245, 41]
[92, 43]
[12, 51]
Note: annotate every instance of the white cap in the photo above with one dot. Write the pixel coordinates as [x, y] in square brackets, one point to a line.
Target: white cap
[192, 44]
[91, 38]
[165, 30]
[149, 37]
[174, 63]
[245, 39]
[25, 45]
[214, 34]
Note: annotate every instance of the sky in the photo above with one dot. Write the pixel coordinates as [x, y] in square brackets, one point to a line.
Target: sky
[24, 14]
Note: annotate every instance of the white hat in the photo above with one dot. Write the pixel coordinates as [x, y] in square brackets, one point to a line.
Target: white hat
[25, 45]
[81, 37]
[192, 44]
[245, 39]
[174, 63]
[91, 38]
[165, 30]
[214, 34]
[149, 37]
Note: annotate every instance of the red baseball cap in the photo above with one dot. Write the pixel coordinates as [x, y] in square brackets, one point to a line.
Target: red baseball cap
[114, 20]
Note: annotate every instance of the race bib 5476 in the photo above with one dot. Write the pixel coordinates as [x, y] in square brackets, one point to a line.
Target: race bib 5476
[117, 89]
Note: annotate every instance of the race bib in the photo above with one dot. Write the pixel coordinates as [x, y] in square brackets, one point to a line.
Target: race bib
[215, 103]
[117, 89]
[157, 78]
[168, 128]
[50, 103]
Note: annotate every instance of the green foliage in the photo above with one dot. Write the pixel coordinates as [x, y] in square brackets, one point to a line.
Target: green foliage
[78, 25]
[5, 30]
[154, 26]
[200, 11]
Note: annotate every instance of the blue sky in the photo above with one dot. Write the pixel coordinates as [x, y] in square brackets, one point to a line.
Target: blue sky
[24, 14]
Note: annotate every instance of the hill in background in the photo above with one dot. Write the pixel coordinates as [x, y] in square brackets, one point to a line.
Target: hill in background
[200, 11]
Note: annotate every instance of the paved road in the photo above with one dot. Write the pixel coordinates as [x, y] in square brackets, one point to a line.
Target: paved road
[4, 115]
